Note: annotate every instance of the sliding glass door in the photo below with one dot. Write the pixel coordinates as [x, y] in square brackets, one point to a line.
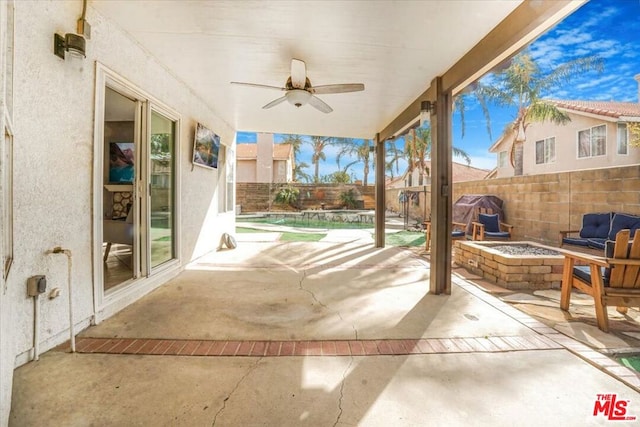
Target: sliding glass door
[161, 201]
[138, 186]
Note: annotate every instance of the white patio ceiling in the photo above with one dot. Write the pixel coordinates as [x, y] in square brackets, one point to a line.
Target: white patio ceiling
[395, 48]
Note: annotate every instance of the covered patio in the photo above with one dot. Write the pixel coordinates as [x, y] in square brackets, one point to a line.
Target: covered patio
[345, 332]
[325, 333]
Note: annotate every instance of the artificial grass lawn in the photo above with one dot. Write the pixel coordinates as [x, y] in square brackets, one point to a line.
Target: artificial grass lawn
[307, 223]
[405, 238]
[632, 362]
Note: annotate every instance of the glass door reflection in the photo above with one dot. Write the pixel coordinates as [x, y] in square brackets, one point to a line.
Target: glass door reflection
[161, 190]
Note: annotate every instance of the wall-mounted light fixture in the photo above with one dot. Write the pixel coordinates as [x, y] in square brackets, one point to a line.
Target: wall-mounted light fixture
[425, 111]
[72, 43]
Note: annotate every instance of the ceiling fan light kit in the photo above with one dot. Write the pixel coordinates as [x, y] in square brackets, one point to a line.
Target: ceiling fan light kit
[299, 91]
[298, 97]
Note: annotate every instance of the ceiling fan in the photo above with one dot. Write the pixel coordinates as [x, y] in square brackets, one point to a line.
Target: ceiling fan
[299, 91]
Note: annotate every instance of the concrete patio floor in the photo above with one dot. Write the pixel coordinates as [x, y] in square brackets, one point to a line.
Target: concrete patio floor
[332, 333]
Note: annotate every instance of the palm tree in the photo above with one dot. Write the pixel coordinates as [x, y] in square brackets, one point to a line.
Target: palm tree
[417, 150]
[364, 154]
[348, 147]
[318, 144]
[522, 85]
[299, 175]
[393, 155]
[296, 142]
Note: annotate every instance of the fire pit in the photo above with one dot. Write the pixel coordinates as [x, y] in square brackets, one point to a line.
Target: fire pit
[513, 265]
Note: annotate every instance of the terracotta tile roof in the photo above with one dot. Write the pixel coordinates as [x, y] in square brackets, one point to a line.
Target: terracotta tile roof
[246, 151]
[602, 108]
[461, 172]
[282, 151]
[250, 151]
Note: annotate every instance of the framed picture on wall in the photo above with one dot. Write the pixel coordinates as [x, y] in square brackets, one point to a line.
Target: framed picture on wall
[206, 146]
[121, 162]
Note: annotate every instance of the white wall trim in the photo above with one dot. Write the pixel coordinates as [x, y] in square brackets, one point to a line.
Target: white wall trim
[107, 305]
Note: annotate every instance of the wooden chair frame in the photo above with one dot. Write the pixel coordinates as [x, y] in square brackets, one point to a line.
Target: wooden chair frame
[623, 288]
[455, 226]
[477, 230]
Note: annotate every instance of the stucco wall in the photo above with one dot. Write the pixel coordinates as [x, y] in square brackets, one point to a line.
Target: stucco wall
[567, 148]
[246, 171]
[53, 172]
[6, 337]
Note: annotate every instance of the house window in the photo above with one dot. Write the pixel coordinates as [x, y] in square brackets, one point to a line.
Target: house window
[502, 159]
[230, 166]
[226, 165]
[592, 142]
[623, 139]
[546, 151]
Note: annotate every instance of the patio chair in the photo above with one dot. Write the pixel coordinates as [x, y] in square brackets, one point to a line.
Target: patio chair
[457, 233]
[610, 280]
[489, 227]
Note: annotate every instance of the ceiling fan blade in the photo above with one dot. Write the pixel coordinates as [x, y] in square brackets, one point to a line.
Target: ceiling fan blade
[275, 102]
[258, 85]
[298, 73]
[319, 104]
[339, 88]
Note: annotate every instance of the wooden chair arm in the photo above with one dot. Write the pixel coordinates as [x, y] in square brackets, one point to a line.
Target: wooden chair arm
[589, 259]
[564, 233]
[460, 225]
[507, 227]
[620, 261]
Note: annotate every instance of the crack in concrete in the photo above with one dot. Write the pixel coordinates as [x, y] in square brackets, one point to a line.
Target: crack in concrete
[224, 401]
[321, 304]
[344, 378]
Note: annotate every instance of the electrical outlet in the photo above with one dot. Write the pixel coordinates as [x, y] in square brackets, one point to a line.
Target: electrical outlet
[36, 285]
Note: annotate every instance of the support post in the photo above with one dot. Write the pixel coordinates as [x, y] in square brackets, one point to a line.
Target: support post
[380, 192]
[441, 190]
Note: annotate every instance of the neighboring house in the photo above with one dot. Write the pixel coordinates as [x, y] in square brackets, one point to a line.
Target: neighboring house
[596, 137]
[265, 161]
[459, 172]
[406, 194]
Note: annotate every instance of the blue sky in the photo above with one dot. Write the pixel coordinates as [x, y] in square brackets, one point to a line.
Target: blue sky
[607, 28]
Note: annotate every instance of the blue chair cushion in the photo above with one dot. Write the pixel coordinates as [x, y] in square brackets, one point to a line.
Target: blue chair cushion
[622, 221]
[596, 225]
[456, 234]
[497, 234]
[575, 241]
[491, 222]
[584, 272]
[596, 243]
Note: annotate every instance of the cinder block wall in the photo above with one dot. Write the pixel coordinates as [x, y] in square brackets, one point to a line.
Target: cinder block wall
[539, 206]
[260, 197]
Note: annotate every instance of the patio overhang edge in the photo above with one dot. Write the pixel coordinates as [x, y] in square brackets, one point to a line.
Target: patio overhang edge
[517, 30]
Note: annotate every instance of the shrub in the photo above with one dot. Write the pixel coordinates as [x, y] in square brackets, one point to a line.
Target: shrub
[288, 196]
[348, 199]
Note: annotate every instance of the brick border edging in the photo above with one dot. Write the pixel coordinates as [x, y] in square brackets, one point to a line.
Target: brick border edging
[623, 374]
[179, 347]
